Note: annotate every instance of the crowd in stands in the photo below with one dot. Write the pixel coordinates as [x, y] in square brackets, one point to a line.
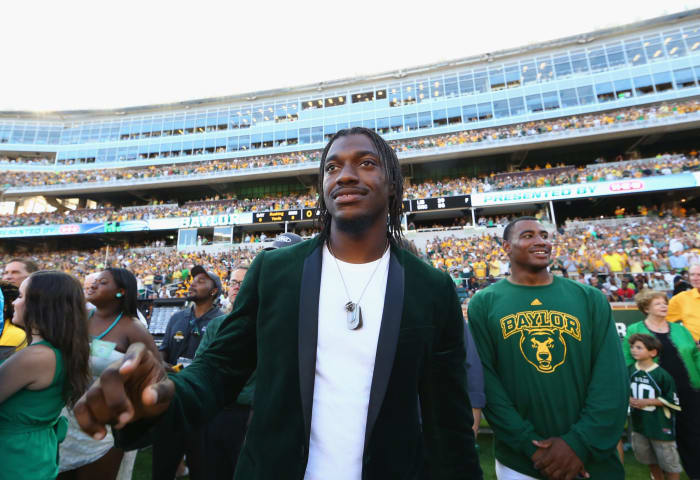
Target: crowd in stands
[26, 160]
[547, 175]
[528, 129]
[619, 259]
[34, 179]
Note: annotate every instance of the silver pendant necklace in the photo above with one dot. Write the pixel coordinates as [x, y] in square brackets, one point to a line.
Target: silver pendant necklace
[353, 311]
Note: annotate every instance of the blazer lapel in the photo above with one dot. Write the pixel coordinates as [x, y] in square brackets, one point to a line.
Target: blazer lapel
[388, 338]
[308, 331]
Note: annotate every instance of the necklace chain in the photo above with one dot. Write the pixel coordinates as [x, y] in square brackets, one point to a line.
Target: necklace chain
[347, 292]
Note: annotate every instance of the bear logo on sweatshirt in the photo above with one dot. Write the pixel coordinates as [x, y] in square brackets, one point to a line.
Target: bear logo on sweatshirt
[542, 340]
[544, 349]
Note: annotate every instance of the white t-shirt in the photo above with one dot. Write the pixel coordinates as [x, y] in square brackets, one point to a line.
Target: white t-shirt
[344, 367]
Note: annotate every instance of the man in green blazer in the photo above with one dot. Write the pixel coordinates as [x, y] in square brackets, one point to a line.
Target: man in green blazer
[358, 346]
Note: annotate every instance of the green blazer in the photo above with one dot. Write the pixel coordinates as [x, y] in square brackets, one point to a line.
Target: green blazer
[419, 373]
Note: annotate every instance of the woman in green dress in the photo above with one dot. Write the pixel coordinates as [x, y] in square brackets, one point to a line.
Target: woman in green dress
[36, 382]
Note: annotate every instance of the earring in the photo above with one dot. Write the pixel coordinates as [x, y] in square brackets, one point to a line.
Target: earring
[119, 295]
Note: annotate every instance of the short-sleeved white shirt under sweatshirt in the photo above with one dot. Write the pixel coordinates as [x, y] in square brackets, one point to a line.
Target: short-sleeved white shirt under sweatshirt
[344, 367]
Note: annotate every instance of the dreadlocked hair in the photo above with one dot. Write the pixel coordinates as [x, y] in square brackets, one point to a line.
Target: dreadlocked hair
[392, 173]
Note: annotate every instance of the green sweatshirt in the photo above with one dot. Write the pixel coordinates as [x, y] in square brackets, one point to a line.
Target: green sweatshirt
[246, 395]
[553, 367]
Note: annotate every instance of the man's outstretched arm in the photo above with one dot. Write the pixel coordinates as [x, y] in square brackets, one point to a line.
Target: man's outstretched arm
[137, 390]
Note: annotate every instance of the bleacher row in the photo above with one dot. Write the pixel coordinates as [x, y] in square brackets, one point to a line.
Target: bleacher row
[548, 175]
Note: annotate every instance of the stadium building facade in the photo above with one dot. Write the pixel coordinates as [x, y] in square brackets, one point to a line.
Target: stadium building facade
[649, 62]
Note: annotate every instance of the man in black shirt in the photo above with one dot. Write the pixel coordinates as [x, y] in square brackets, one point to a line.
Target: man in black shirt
[186, 327]
[182, 337]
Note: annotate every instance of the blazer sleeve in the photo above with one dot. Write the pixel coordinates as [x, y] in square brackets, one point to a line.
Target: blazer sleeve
[447, 416]
[215, 377]
[475, 372]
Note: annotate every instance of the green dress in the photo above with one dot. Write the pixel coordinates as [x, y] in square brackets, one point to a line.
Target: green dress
[31, 429]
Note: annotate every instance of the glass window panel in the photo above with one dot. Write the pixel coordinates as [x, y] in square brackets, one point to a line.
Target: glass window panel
[643, 85]
[616, 55]
[545, 71]
[437, 87]
[623, 88]
[485, 111]
[422, 90]
[469, 113]
[394, 92]
[550, 100]
[497, 78]
[454, 115]
[697, 73]
[568, 97]
[529, 72]
[480, 81]
[604, 91]
[466, 83]
[328, 131]
[662, 81]
[409, 93]
[369, 123]
[562, 66]
[383, 125]
[517, 105]
[451, 86]
[674, 44]
[596, 57]
[512, 76]
[653, 47]
[579, 61]
[410, 121]
[439, 117]
[500, 108]
[635, 52]
[397, 123]
[693, 38]
[534, 103]
[425, 120]
[316, 134]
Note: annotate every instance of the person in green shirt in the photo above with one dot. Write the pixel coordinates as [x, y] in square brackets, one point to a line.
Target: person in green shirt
[37, 381]
[652, 403]
[556, 382]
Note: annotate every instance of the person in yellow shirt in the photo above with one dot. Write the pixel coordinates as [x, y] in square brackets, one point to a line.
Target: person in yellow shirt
[12, 337]
[479, 268]
[495, 266]
[615, 260]
[685, 306]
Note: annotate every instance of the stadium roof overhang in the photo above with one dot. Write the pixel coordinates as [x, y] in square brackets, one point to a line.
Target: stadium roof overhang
[487, 57]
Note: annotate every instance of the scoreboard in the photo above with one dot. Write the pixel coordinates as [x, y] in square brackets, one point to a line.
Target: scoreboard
[409, 206]
[440, 203]
[281, 216]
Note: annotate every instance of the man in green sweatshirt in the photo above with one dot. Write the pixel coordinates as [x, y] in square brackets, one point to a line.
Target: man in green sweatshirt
[556, 382]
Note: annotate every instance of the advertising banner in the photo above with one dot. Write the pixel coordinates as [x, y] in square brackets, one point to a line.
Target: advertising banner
[585, 190]
[204, 221]
[51, 230]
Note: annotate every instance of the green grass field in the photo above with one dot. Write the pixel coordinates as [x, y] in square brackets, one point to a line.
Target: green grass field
[633, 469]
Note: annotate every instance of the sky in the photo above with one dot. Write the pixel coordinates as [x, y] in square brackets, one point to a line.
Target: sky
[75, 54]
